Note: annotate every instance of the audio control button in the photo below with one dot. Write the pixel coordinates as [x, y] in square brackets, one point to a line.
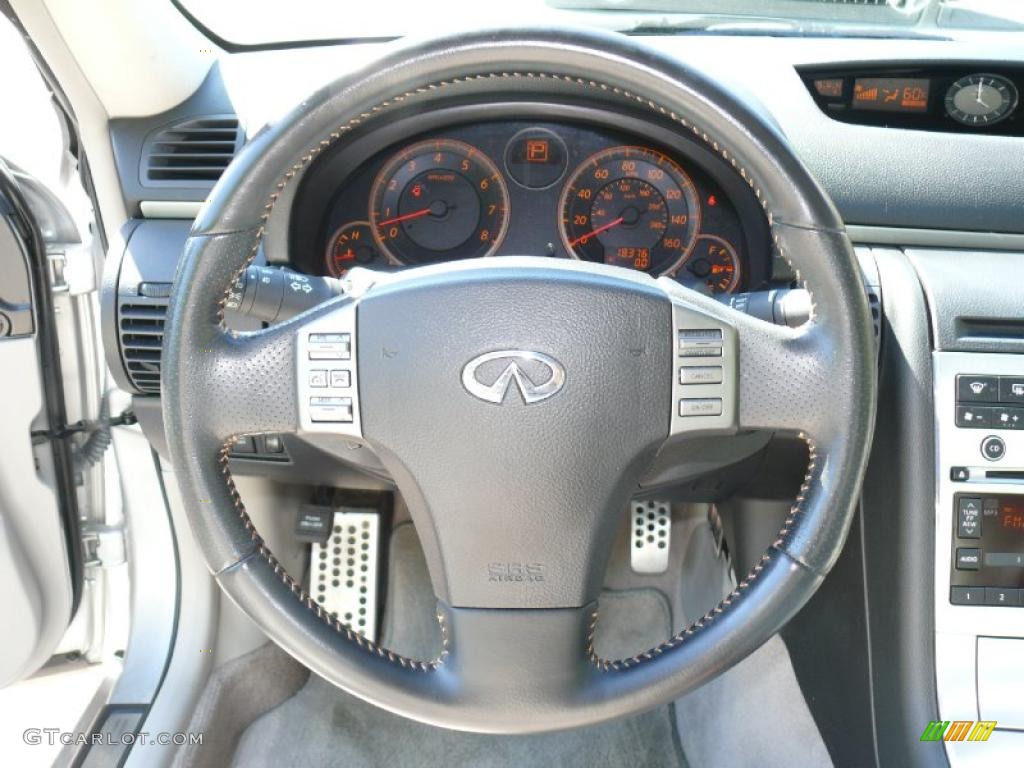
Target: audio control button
[1000, 596]
[969, 518]
[993, 448]
[968, 558]
[967, 595]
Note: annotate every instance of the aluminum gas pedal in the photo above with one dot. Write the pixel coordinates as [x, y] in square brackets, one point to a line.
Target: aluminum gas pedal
[651, 537]
[343, 575]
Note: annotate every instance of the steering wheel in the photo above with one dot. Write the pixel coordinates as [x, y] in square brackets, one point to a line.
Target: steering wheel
[518, 484]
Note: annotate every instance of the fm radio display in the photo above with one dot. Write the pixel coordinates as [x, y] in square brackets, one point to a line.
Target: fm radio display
[891, 94]
[1011, 513]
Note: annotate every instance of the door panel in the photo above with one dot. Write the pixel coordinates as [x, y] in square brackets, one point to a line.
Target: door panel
[37, 500]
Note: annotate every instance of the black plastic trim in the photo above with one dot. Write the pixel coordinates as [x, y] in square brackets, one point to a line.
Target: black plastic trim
[941, 76]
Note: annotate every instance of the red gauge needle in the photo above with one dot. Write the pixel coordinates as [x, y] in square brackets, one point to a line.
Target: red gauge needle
[404, 217]
[599, 230]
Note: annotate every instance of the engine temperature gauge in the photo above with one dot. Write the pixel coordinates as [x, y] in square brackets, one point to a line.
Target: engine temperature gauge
[713, 262]
[351, 246]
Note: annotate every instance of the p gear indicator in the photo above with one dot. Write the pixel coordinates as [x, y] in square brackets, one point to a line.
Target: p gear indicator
[537, 150]
[536, 158]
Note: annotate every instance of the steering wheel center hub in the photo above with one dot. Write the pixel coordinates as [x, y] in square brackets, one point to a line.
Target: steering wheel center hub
[488, 403]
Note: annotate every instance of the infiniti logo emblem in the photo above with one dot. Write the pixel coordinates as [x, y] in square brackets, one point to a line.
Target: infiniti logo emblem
[523, 367]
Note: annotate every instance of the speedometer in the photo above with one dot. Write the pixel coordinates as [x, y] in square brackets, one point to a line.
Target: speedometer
[438, 200]
[631, 207]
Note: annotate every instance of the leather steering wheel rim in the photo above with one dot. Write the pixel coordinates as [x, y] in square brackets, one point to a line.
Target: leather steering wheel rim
[524, 666]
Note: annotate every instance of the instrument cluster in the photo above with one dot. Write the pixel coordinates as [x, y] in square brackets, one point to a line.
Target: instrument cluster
[557, 189]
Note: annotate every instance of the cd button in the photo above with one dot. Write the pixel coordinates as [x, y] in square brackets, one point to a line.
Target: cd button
[993, 448]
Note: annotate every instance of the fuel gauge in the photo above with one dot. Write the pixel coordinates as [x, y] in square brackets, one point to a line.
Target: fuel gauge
[351, 246]
[713, 261]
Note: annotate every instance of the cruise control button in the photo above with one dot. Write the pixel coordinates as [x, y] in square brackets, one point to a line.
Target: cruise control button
[1001, 596]
[977, 416]
[993, 448]
[700, 342]
[967, 595]
[1011, 389]
[700, 406]
[337, 409]
[701, 374]
[971, 388]
[968, 558]
[330, 346]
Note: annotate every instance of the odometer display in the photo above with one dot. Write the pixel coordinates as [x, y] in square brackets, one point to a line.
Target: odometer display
[438, 200]
[631, 207]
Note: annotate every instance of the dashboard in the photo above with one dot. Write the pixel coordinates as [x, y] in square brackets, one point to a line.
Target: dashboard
[563, 182]
[941, 205]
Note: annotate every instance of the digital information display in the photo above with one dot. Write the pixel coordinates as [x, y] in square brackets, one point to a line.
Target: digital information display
[1011, 513]
[891, 94]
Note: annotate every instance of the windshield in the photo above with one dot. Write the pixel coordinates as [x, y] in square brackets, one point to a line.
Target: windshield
[243, 23]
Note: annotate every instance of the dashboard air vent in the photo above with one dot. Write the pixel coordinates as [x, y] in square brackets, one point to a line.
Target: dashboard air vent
[875, 305]
[191, 152]
[141, 330]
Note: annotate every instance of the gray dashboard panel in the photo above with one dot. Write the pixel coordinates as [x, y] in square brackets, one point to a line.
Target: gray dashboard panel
[974, 298]
[876, 176]
[879, 176]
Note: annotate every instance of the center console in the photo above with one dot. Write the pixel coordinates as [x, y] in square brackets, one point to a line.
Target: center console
[979, 547]
[976, 319]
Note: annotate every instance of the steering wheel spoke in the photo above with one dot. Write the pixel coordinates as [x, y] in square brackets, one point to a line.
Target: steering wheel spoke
[298, 376]
[735, 372]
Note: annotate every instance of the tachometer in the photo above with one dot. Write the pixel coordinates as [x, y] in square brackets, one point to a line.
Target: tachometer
[632, 207]
[438, 200]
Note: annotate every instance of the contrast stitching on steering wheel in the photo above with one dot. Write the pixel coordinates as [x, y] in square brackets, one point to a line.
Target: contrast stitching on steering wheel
[727, 601]
[304, 161]
[330, 619]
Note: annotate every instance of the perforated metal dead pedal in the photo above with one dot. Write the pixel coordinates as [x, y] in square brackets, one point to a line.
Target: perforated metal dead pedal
[343, 576]
[651, 537]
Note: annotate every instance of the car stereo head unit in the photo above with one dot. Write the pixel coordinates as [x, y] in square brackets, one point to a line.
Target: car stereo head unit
[987, 565]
